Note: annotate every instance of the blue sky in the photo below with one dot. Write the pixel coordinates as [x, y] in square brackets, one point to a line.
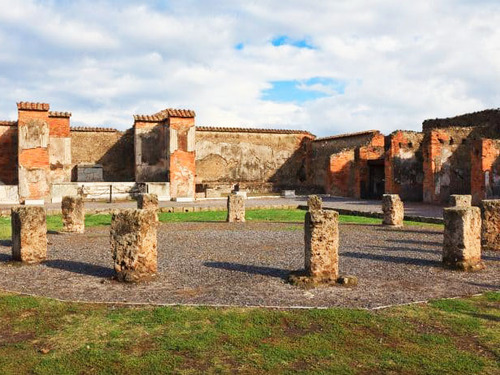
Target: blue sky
[327, 67]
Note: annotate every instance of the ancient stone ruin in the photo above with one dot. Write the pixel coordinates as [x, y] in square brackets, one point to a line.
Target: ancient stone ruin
[147, 202]
[235, 208]
[490, 232]
[73, 214]
[134, 244]
[29, 234]
[460, 200]
[462, 238]
[314, 203]
[393, 209]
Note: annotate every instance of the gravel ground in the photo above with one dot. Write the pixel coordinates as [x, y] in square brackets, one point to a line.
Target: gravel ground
[246, 264]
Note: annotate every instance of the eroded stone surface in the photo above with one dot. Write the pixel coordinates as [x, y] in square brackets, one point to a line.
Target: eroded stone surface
[134, 244]
[393, 209]
[29, 234]
[490, 231]
[460, 200]
[462, 238]
[73, 214]
[314, 203]
[235, 208]
[147, 202]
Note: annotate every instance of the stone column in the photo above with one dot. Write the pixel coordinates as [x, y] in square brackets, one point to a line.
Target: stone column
[235, 208]
[462, 238]
[147, 202]
[29, 234]
[73, 214]
[393, 209]
[134, 244]
[314, 203]
[457, 200]
[490, 231]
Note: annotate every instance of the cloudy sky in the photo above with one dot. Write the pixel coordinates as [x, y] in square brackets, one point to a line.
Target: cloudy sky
[325, 66]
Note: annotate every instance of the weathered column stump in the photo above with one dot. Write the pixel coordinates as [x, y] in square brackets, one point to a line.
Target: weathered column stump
[235, 208]
[134, 244]
[147, 202]
[314, 203]
[457, 200]
[393, 209]
[490, 230]
[73, 214]
[462, 238]
[29, 234]
[321, 238]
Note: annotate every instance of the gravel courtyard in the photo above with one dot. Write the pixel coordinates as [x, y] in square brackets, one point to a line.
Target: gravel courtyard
[246, 265]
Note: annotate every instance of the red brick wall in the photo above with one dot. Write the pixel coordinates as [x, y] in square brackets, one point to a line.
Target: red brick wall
[8, 154]
[341, 174]
[485, 165]
[59, 127]
[373, 151]
[182, 166]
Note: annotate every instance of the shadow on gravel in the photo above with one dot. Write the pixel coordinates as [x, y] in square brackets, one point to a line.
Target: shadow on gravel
[415, 242]
[6, 243]
[488, 286]
[394, 259]
[5, 258]
[256, 270]
[398, 248]
[80, 267]
[400, 230]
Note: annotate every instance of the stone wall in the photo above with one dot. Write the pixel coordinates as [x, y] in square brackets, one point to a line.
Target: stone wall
[8, 152]
[485, 166]
[404, 174]
[251, 156]
[59, 147]
[150, 147]
[112, 149]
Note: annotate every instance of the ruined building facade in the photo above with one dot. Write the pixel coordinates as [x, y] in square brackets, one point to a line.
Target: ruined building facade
[42, 158]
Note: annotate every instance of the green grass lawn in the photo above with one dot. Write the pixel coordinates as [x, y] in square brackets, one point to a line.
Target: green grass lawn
[43, 336]
[54, 222]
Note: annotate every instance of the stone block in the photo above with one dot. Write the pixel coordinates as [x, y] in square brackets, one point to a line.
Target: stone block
[457, 200]
[490, 230]
[134, 244]
[393, 210]
[147, 202]
[314, 203]
[288, 193]
[73, 214]
[29, 234]
[462, 238]
[235, 208]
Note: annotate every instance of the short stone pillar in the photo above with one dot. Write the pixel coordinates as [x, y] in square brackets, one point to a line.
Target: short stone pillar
[134, 244]
[147, 202]
[457, 200]
[462, 238]
[29, 234]
[73, 214]
[490, 231]
[235, 208]
[314, 203]
[393, 210]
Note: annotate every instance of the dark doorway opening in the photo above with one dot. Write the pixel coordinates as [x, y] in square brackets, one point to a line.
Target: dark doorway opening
[376, 179]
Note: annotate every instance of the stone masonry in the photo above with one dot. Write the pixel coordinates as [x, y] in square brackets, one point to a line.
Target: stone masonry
[490, 232]
[29, 234]
[134, 244]
[235, 208]
[314, 203]
[462, 238]
[460, 200]
[393, 209]
[73, 214]
[147, 202]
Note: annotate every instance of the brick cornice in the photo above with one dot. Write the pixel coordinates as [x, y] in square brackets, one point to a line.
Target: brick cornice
[31, 106]
[59, 114]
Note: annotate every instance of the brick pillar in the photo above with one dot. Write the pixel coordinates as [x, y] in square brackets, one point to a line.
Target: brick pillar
[485, 169]
[33, 153]
[314, 203]
[460, 200]
[134, 244]
[59, 147]
[393, 209]
[182, 154]
[432, 165]
[29, 234]
[147, 202]
[490, 231]
[235, 208]
[462, 238]
[73, 214]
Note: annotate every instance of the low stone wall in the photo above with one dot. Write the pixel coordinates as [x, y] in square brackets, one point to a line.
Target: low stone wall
[9, 194]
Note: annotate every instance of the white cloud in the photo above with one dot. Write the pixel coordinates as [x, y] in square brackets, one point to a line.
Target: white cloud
[402, 62]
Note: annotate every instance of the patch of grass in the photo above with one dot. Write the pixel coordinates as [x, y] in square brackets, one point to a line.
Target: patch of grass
[105, 339]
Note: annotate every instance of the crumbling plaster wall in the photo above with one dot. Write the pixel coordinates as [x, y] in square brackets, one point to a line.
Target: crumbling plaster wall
[8, 153]
[150, 147]
[224, 157]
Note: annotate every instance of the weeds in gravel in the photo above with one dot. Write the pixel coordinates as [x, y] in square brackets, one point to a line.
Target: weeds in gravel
[42, 336]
